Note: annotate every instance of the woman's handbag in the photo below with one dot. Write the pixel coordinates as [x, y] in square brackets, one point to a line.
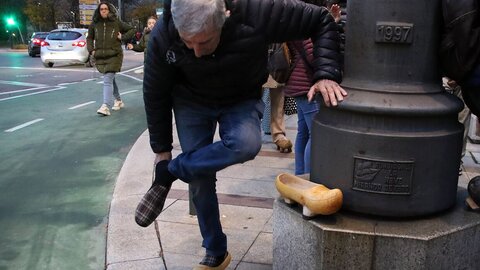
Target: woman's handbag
[290, 106]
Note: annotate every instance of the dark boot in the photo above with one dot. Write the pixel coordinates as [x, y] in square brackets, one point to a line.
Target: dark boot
[474, 189]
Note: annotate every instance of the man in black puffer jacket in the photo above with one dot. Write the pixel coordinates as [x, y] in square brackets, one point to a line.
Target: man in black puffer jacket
[460, 48]
[207, 61]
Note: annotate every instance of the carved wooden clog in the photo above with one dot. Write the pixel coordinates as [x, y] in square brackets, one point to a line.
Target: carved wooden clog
[315, 198]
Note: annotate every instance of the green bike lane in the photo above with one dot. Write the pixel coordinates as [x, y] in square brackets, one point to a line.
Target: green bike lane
[57, 175]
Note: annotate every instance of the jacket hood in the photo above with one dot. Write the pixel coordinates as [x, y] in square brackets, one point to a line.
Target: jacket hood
[112, 16]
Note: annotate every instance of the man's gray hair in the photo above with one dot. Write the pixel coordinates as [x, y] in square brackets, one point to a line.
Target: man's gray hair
[195, 16]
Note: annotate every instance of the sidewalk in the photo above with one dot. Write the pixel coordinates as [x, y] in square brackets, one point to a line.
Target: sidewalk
[245, 192]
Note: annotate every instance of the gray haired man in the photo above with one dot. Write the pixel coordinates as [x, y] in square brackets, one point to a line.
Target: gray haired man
[207, 61]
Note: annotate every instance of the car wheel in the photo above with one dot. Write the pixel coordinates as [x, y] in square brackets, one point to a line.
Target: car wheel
[31, 54]
[48, 64]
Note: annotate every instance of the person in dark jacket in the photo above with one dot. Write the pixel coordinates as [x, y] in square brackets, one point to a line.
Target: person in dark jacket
[297, 87]
[207, 61]
[104, 42]
[460, 48]
[143, 42]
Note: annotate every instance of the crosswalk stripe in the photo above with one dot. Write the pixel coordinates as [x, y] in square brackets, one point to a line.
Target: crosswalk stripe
[81, 105]
[24, 125]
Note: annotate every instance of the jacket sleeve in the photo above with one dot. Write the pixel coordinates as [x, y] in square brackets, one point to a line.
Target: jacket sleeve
[90, 38]
[158, 82]
[140, 47]
[286, 20]
[127, 31]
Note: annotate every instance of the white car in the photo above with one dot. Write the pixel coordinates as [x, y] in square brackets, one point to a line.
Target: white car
[68, 46]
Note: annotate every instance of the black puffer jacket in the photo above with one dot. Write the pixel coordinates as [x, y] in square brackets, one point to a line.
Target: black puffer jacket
[237, 69]
[460, 49]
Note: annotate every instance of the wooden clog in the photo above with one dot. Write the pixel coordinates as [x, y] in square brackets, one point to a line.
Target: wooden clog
[315, 198]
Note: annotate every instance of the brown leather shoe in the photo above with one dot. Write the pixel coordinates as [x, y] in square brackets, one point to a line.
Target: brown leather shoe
[284, 145]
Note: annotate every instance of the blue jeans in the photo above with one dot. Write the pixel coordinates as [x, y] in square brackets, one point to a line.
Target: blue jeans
[305, 111]
[201, 158]
[110, 89]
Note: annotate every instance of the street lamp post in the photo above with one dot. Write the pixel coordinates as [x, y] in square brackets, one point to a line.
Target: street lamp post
[11, 21]
[74, 21]
[373, 146]
[120, 9]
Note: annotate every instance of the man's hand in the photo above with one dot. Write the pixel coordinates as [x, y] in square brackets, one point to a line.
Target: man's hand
[332, 93]
[336, 12]
[129, 46]
[162, 156]
[119, 36]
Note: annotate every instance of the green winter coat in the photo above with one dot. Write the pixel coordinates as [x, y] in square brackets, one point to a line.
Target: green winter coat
[142, 44]
[102, 38]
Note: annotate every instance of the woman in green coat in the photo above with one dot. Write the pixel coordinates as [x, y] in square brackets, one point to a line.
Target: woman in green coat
[104, 42]
[143, 42]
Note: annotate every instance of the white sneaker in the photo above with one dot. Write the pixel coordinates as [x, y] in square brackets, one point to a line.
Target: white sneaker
[104, 110]
[117, 105]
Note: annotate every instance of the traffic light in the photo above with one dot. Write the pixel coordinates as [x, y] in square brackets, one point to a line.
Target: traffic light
[10, 21]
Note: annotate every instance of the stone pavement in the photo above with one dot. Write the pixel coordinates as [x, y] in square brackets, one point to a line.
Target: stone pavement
[246, 193]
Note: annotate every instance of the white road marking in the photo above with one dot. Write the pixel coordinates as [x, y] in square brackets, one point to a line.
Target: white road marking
[36, 93]
[67, 83]
[23, 90]
[24, 125]
[22, 83]
[131, 77]
[135, 68]
[58, 87]
[81, 105]
[128, 92]
[48, 69]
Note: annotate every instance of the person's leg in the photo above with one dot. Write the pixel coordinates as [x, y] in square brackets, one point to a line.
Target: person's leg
[464, 117]
[300, 141]
[204, 197]
[266, 112]
[309, 109]
[116, 93]
[108, 88]
[277, 123]
[239, 128]
[118, 103]
[107, 94]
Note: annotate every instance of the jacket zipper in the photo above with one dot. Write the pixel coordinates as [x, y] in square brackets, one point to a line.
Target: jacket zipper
[104, 36]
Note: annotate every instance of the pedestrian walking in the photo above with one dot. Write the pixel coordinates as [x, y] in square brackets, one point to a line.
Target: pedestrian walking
[104, 43]
[143, 42]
